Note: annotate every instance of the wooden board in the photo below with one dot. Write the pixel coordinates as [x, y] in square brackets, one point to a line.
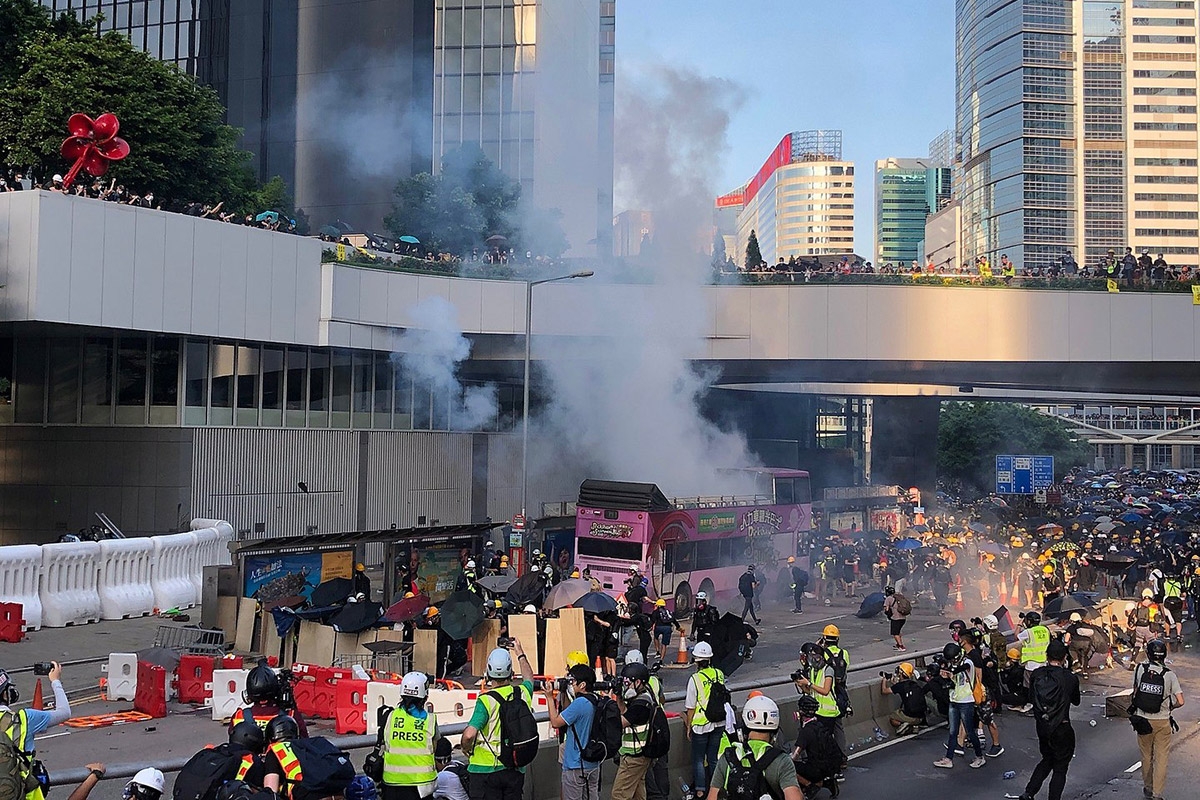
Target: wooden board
[563, 635]
[246, 611]
[316, 644]
[523, 627]
[346, 644]
[484, 639]
[425, 651]
[268, 636]
[227, 616]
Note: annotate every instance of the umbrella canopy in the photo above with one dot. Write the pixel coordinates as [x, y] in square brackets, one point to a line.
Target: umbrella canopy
[407, 608]
[329, 230]
[1068, 604]
[991, 547]
[978, 527]
[1113, 563]
[921, 528]
[497, 584]
[1174, 538]
[163, 657]
[566, 593]
[271, 215]
[410, 240]
[1063, 547]
[355, 617]
[1101, 520]
[596, 602]
[871, 606]
[1106, 527]
[728, 632]
[909, 544]
[332, 592]
[1130, 516]
[496, 239]
[461, 612]
[527, 589]
[1050, 529]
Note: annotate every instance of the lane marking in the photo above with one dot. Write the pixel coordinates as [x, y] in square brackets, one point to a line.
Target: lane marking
[895, 740]
[52, 735]
[1135, 767]
[814, 622]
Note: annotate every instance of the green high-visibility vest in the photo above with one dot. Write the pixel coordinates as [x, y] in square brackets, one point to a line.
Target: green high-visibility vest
[408, 750]
[1172, 588]
[1034, 648]
[705, 678]
[486, 755]
[826, 703]
[747, 754]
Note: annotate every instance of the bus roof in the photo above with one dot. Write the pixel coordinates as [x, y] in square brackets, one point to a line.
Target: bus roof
[622, 495]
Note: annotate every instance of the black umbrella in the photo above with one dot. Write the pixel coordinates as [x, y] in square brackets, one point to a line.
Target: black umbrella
[726, 636]
[497, 584]
[163, 657]
[496, 240]
[1112, 563]
[329, 230]
[355, 617]
[461, 612]
[871, 606]
[1066, 605]
[526, 590]
[596, 602]
[332, 592]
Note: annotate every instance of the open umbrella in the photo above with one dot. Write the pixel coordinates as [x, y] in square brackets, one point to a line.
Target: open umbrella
[1062, 547]
[1131, 517]
[726, 637]
[1101, 520]
[992, 548]
[1050, 529]
[355, 617]
[1112, 563]
[1068, 604]
[410, 240]
[332, 592]
[406, 609]
[497, 584]
[495, 240]
[566, 593]
[921, 528]
[329, 230]
[871, 606]
[978, 527]
[461, 612]
[909, 544]
[527, 589]
[271, 215]
[164, 657]
[596, 602]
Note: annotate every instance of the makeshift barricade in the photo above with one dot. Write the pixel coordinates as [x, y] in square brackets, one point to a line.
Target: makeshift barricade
[125, 574]
[227, 688]
[12, 623]
[20, 567]
[325, 705]
[351, 706]
[195, 678]
[151, 695]
[69, 583]
[380, 693]
[171, 580]
[122, 671]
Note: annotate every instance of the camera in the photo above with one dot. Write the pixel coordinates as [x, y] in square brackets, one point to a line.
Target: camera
[43, 667]
[603, 686]
[505, 642]
[886, 675]
[798, 674]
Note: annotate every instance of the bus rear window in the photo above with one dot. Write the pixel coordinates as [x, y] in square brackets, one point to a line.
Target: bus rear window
[607, 548]
[803, 489]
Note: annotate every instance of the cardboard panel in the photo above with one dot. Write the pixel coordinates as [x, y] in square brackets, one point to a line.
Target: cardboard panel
[268, 636]
[316, 644]
[227, 616]
[523, 627]
[484, 640]
[425, 651]
[562, 636]
[346, 644]
[246, 612]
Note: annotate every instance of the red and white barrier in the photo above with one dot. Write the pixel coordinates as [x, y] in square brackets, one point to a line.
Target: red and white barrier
[380, 693]
[20, 568]
[69, 583]
[227, 688]
[125, 575]
[174, 563]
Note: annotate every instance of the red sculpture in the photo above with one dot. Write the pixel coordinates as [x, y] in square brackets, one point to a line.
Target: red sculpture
[93, 144]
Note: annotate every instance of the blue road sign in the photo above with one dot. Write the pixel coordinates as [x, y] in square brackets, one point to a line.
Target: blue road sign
[1023, 474]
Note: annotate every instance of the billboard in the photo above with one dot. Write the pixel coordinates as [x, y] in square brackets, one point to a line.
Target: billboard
[1023, 474]
[271, 577]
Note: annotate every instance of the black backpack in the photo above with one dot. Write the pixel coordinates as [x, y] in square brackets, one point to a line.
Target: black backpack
[325, 769]
[839, 667]
[658, 744]
[604, 739]
[749, 781]
[718, 696]
[204, 772]
[823, 754]
[519, 737]
[1149, 690]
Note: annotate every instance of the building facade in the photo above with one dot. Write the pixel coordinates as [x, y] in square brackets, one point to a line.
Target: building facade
[907, 191]
[1077, 129]
[800, 203]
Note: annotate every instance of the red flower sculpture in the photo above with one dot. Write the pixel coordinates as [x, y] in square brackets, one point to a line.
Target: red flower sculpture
[92, 144]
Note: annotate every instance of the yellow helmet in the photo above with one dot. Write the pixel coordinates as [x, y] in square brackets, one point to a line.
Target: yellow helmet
[791, 559]
[408, 595]
[432, 611]
[1014, 653]
[576, 658]
[906, 668]
[575, 572]
[504, 561]
[831, 631]
[1048, 570]
[360, 568]
[660, 603]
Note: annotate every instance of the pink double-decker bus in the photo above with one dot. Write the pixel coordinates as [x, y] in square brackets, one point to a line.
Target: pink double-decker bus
[691, 544]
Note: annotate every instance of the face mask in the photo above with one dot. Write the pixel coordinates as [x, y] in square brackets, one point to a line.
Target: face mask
[630, 691]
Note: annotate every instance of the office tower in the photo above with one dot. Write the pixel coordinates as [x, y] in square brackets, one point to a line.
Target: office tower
[907, 191]
[941, 149]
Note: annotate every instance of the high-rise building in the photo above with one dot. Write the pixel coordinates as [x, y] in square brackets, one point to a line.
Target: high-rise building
[1077, 128]
[335, 97]
[800, 203]
[941, 149]
[531, 82]
[907, 191]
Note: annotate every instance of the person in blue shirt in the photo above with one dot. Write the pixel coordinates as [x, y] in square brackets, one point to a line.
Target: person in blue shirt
[580, 779]
[24, 724]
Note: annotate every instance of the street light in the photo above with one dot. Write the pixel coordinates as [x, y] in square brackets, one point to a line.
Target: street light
[587, 273]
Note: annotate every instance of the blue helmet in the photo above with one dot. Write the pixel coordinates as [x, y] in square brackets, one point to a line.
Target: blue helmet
[361, 788]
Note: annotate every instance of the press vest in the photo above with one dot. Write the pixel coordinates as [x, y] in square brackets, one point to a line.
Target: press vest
[1034, 648]
[705, 678]
[486, 754]
[17, 732]
[408, 750]
[746, 755]
[292, 774]
[634, 739]
[826, 703]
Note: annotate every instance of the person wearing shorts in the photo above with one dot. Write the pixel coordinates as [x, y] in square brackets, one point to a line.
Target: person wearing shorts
[664, 622]
[896, 619]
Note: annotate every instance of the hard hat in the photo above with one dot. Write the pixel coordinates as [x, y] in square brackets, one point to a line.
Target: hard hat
[577, 658]
[635, 657]
[529, 609]
[432, 611]
[361, 788]
[702, 651]
[660, 603]
[906, 668]
[1014, 653]
[633, 570]
[151, 779]
[1048, 570]
[791, 559]
[499, 664]
[1156, 651]
[952, 651]
[535, 569]
[1032, 619]
[991, 623]
[488, 544]
[1148, 593]
[360, 567]
[889, 591]
[504, 561]
[831, 632]
[249, 735]
[497, 604]
[575, 572]
[414, 684]
[471, 565]
[536, 552]
[282, 728]
[408, 595]
[755, 693]
[761, 714]
[701, 597]
[1075, 617]
[58, 179]
[261, 684]
[636, 672]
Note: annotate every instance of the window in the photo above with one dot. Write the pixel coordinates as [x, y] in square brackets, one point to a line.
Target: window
[784, 491]
[342, 379]
[63, 406]
[164, 381]
[297, 365]
[318, 382]
[708, 554]
[247, 377]
[131, 372]
[222, 376]
[609, 548]
[383, 388]
[677, 557]
[195, 392]
[272, 378]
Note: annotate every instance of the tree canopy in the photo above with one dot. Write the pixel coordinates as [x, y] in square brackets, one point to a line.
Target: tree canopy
[753, 254]
[971, 435]
[469, 201]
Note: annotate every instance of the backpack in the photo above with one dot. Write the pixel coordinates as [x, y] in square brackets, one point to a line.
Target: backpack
[519, 737]
[718, 696]
[823, 753]
[1149, 690]
[204, 773]
[802, 579]
[658, 744]
[748, 781]
[746, 584]
[604, 739]
[837, 663]
[978, 693]
[325, 769]
[15, 777]
[1141, 616]
[901, 605]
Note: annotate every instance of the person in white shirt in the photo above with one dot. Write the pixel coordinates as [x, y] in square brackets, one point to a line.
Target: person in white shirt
[451, 764]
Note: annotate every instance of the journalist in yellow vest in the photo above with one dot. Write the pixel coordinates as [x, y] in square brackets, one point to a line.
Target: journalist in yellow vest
[23, 725]
[409, 735]
[486, 776]
[760, 715]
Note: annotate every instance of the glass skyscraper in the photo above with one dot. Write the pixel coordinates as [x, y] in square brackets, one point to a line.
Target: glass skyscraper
[907, 191]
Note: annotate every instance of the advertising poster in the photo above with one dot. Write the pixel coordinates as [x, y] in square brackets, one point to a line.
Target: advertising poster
[886, 519]
[285, 575]
[437, 568]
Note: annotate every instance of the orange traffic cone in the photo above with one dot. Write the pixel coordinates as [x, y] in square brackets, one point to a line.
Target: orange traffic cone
[599, 669]
[37, 695]
[682, 656]
[958, 603]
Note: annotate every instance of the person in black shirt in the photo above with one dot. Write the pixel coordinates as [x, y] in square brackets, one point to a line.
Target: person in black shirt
[704, 618]
[1054, 690]
[746, 586]
[911, 713]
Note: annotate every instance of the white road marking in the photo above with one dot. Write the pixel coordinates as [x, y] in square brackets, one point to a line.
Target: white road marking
[892, 741]
[814, 622]
[1135, 767]
[52, 735]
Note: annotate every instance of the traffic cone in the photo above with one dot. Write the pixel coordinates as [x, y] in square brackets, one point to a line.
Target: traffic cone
[599, 669]
[682, 656]
[37, 695]
[958, 603]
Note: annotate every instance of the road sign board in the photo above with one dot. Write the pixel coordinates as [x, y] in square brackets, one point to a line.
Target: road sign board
[1023, 474]
[1039, 496]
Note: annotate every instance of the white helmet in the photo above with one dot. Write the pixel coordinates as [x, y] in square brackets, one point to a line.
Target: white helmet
[529, 609]
[150, 778]
[499, 664]
[489, 544]
[635, 657]
[991, 623]
[536, 552]
[470, 565]
[701, 596]
[761, 714]
[414, 684]
[703, 650]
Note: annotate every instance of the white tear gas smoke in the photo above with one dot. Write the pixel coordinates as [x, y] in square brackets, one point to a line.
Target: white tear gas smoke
[628, 407]
[430, 352]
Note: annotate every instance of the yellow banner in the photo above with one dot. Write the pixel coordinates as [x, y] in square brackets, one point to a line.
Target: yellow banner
[341, 252]
[1196, 295]
[338, 564]
[1112, 286]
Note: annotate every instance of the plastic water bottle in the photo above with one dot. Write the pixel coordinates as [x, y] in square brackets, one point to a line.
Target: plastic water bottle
[1092, 722]
[1008, 776]
[879, 734]
[683, 787]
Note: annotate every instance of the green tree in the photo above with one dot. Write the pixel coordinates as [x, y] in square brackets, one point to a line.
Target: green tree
[19, 21]
[753, 254]
[971, 435]
[718, 251]
[441, 216]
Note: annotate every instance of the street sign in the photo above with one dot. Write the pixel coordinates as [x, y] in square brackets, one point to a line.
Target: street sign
[518, 522]
[1023, 474]
[1039, 496]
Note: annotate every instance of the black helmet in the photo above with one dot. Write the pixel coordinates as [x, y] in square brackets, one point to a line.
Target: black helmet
[951, 652]
[234, 790]
[1032, 618]
[958, 625]
[282, 729]
[889, 591]
[813, 653]
[807, 705]
[635, 672]
[261, 684]
[8, 692]
[249, 735]
[1156, 651]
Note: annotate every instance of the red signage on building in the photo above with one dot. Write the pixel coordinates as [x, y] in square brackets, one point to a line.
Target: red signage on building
[781, 156]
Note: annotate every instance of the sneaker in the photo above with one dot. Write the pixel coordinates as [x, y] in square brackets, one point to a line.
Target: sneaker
[978, 762]
[944, 763]
[1147, 793]
[901, 649]
[1025, 709]
[958, 751]
[995, 752]
[903, 729]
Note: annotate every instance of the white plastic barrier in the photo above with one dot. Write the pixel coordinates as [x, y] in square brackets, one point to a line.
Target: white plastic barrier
[224, 529]
[174, 563]
[379, 694]
[20, 567]
[227, 688]
[125, 572]
[122, 675]
[69, 589]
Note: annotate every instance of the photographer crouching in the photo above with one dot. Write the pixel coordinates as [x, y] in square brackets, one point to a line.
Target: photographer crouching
[910, 716]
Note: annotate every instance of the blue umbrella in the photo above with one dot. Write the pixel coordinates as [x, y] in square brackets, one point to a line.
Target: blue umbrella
[909, 544]
[271, 215]
[410, 240]
[1131, 517]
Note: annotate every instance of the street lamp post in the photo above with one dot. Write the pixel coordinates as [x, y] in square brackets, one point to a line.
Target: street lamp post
[525, 405]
